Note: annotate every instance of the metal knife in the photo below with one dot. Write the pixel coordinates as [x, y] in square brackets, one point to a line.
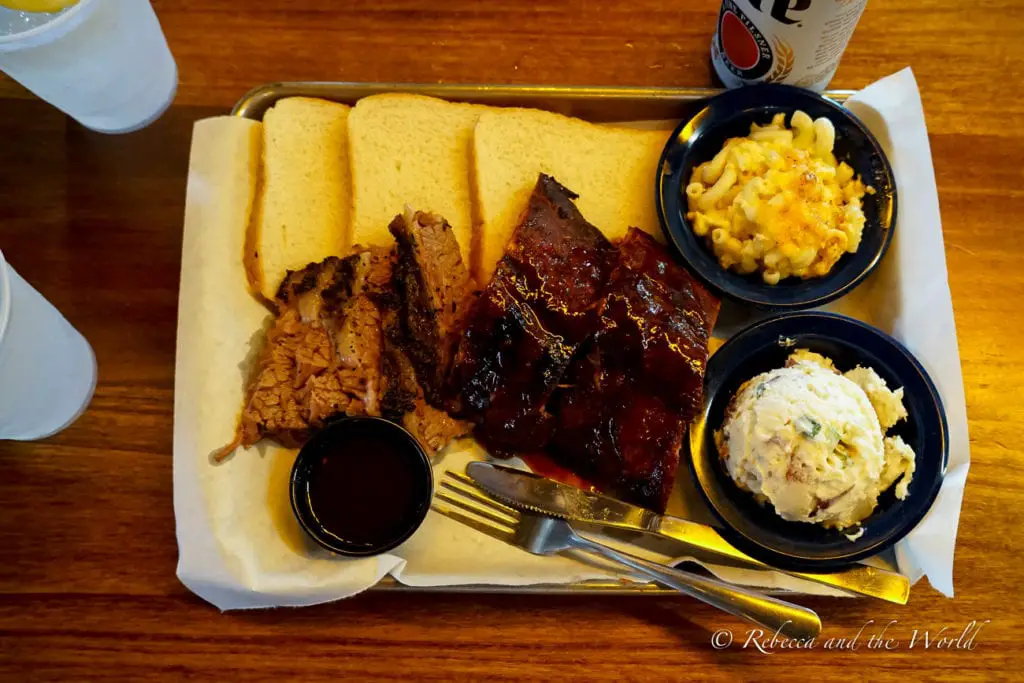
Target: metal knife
[528, 491]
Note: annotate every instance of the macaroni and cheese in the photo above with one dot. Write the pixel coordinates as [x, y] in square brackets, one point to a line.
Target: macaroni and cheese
[777, 201]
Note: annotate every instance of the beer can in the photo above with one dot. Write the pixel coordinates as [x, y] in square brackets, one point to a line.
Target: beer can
[799, 42]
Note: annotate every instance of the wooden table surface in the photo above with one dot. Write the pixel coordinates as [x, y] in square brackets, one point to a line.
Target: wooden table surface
[87, 545]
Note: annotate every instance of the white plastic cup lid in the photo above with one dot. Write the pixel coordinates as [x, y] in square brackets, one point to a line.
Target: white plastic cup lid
[61, 24]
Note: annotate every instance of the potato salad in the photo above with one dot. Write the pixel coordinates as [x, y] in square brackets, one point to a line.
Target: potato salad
[811, 441]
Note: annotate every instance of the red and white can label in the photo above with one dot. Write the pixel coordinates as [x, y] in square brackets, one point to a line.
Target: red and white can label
[799, 42]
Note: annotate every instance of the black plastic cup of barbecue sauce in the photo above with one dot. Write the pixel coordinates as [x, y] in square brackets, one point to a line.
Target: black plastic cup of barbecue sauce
[361, 486]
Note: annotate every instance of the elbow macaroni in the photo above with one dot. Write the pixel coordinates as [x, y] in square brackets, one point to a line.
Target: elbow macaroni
[777, 201]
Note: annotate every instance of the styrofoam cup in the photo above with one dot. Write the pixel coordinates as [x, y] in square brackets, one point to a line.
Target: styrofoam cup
[105, 63]
[47, 368]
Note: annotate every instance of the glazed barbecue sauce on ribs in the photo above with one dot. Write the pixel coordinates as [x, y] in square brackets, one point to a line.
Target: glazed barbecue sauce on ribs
[591, 353]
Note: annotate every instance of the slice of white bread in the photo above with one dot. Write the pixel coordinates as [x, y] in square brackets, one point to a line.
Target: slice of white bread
[611, 169]
[411, 150]
[303, 210]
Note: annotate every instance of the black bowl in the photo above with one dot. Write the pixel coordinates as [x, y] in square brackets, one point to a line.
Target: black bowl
[730, 115]
[757, 529]
[374, 489]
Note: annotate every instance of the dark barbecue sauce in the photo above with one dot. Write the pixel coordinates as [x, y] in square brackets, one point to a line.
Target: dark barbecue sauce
[544, 465]
[365, 490]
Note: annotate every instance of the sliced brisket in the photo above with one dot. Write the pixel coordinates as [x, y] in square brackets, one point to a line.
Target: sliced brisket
[322, 355]
[423, 309]
[432, 284]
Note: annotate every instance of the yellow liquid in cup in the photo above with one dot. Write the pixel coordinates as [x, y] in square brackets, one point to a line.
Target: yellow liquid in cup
[37, 5]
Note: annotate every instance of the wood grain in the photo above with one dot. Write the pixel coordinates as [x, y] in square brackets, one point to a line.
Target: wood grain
[87, 545]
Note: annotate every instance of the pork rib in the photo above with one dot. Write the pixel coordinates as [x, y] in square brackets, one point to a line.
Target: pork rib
[523, 329]
[622, 419]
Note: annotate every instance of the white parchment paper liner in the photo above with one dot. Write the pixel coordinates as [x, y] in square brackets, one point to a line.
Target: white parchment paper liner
[240, 547]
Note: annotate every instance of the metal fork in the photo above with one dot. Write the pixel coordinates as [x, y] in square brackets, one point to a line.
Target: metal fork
[543, 535]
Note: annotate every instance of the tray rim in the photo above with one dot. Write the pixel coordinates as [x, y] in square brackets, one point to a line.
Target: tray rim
[253, 103]
[256, 101]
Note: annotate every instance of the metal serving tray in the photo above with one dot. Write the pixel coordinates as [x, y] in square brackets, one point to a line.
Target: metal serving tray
[591, 103]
